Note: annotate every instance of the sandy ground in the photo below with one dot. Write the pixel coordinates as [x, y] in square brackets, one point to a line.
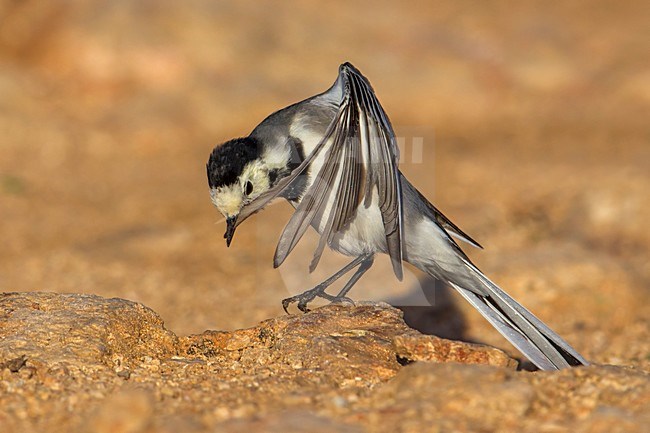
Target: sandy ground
[532, 119]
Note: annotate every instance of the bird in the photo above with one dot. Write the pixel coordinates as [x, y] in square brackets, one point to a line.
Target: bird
[334, 157]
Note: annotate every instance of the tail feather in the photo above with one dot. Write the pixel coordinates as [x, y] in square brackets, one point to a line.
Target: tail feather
[546, 349]
[507, 329]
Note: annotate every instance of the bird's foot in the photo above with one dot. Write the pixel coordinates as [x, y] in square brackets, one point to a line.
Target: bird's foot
[308, 296]
[305, 298]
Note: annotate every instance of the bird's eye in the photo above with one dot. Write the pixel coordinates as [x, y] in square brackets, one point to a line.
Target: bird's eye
[249, 188]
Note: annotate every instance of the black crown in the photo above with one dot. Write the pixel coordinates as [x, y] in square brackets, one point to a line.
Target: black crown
[228, 160]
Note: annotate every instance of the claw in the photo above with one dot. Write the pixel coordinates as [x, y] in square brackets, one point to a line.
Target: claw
[285, 304]
[305, 298]
[302, 305]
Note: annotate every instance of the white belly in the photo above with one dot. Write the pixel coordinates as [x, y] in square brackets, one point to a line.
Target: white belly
[364, 234]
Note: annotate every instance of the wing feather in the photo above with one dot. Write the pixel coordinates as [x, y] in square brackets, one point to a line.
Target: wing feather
[361, 157]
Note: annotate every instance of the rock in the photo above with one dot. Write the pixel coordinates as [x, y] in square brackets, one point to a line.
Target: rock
[68, 330]
[346, 345]
[14, 365]
[453, 397]
[84, 363]
[450, 397]
[419, 347]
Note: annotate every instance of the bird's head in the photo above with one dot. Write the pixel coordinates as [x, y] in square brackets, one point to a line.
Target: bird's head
[237, 175]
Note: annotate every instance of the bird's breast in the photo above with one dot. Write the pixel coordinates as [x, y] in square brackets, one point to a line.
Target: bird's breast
[363, 234]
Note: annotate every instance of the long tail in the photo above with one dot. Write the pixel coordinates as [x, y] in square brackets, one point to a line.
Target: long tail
[544, 348]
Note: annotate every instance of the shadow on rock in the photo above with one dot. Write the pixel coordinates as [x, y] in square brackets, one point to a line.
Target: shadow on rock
[441, 317]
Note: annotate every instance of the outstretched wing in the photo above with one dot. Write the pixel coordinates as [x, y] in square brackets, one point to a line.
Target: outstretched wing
[361, 157]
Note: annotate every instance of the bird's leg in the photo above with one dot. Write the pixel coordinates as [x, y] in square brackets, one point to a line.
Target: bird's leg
[319, 291]
[365, 265]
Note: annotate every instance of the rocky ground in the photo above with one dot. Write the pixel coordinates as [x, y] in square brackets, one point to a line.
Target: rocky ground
[86, 363]
[532, 120]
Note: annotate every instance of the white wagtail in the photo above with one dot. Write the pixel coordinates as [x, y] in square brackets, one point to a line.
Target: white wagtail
[334, 157]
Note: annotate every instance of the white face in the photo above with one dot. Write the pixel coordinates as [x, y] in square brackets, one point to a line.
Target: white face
[227, 199]
[253, 181]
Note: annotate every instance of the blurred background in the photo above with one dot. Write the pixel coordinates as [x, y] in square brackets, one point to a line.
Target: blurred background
[532, 119]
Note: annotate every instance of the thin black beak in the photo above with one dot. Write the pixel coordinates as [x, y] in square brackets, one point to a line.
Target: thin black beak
[231, 224]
